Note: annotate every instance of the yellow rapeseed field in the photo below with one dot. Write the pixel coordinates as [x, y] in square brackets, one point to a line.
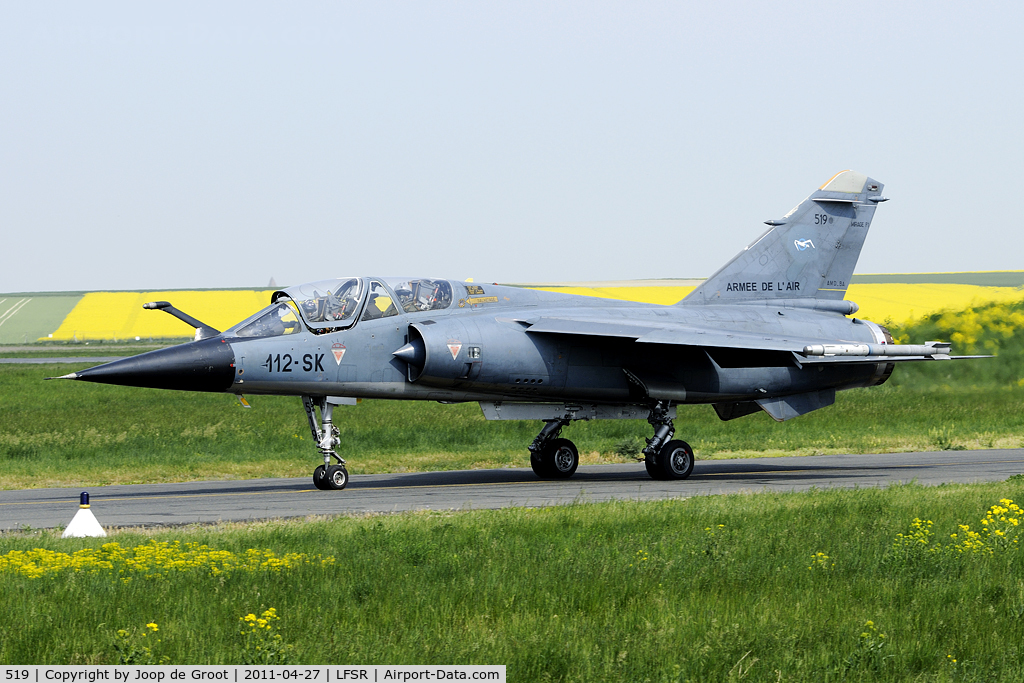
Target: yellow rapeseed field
[902, 303]
[663, 295]
[119, 315]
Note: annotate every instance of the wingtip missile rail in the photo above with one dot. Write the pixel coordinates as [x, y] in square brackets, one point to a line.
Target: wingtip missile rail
[935, 349]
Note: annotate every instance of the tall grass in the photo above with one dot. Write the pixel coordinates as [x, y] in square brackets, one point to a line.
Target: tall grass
[709, 588]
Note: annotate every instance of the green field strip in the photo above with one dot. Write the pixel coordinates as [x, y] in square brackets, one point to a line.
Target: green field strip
[992, 278]
[143, 291]
[26, 318]
[7, 295]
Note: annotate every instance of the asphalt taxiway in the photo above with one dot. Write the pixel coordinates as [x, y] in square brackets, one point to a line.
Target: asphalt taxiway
[212, 501]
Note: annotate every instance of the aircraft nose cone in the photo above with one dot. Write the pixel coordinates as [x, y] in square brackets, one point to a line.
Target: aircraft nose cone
[206, 365]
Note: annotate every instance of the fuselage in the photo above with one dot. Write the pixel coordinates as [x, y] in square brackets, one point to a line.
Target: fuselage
[478, 347]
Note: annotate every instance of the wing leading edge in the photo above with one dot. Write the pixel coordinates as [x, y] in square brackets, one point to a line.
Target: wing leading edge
[808, 349]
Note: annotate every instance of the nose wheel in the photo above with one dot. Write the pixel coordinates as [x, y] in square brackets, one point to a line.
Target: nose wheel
[333, 478]
[326, 477]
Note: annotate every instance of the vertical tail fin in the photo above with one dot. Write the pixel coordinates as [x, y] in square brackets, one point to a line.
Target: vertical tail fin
[809, 253]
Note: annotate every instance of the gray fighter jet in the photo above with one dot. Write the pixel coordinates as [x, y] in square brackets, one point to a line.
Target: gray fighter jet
[769, 331]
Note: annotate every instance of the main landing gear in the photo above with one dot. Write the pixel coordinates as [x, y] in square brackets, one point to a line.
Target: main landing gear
[327, 476]
[551, 457]
[665, 458]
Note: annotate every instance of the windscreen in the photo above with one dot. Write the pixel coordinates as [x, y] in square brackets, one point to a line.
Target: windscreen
[274, 321]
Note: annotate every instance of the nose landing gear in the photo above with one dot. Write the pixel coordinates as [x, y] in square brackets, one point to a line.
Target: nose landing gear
[326, 477]
[332, 478]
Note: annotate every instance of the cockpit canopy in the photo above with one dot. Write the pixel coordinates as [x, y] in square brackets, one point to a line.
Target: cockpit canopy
[422, 294]
[327, 304]
[332, 305]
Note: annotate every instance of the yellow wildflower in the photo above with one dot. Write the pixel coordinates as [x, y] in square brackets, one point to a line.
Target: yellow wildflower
[154, 560]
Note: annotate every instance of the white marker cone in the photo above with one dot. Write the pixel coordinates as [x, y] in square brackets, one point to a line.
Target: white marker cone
[84, 522]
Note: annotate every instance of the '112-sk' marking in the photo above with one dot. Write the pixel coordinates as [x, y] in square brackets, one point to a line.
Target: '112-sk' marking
[284, 362]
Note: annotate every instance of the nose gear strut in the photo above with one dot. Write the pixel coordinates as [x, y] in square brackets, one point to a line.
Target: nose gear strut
[326, 436]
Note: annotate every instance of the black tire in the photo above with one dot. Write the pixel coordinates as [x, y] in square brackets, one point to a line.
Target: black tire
[651, 463]
[675, 460]
[320, 478]
[337, 477]
[539, 468]
[561, 458]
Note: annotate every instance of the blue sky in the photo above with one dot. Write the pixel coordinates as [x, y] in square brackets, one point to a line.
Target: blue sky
[178, 145]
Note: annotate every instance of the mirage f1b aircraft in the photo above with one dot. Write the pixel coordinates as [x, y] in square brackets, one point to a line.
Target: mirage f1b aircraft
[769, 331]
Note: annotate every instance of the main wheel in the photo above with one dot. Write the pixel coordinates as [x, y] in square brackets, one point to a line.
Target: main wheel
[560, 458]
[674, 461]
[337, 477]
[320, 478]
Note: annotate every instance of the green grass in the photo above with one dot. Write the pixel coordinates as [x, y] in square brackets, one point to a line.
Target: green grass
[708, 588]
[63, 433]
[74, 350]
[38, 317]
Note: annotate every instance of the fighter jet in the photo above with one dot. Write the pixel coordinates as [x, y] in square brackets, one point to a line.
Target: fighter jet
[770, 331]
